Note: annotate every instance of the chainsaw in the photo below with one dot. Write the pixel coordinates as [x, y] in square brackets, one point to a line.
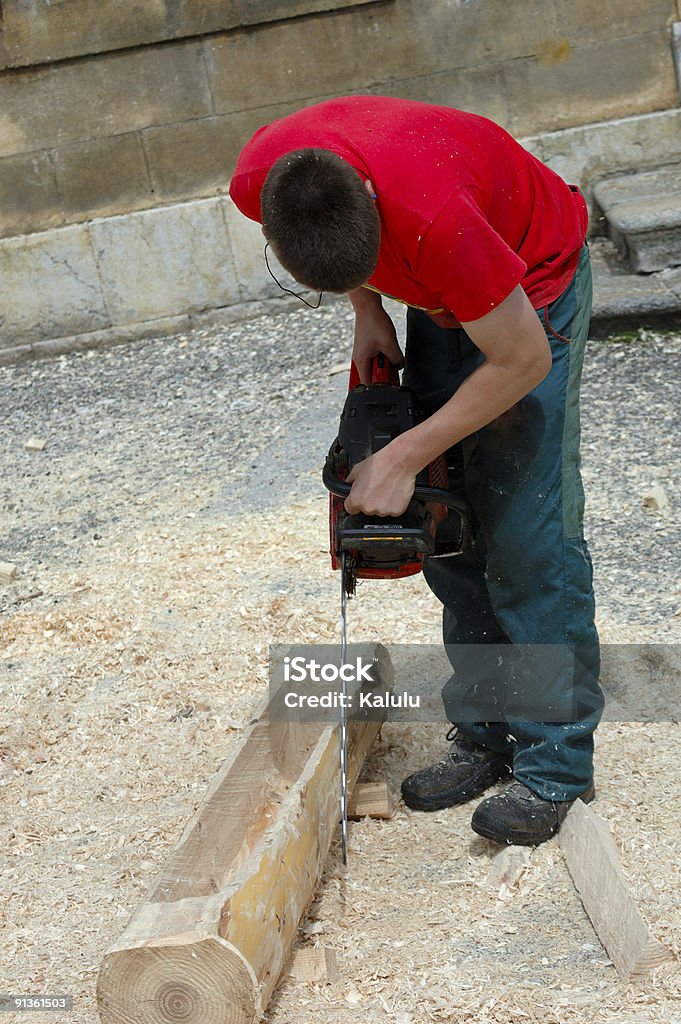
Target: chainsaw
[386, 547]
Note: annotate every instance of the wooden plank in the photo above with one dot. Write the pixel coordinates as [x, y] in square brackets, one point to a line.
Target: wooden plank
[592, 861]
[314, 965]
[215, 931]
[370, 800]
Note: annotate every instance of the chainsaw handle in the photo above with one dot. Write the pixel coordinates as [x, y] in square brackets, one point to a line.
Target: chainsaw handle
[382, 372]
[421, 493]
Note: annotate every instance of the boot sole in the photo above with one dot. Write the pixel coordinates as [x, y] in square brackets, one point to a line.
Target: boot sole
[460, 794]
[516, 837]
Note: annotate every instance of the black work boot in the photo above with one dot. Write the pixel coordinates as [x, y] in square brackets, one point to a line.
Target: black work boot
[466, 771]
[520, 817]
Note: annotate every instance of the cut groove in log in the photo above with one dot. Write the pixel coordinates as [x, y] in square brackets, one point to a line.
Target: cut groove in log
[215, 931]
[592, 861]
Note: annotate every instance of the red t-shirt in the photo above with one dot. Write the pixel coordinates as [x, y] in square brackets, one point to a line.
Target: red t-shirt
[466, 212]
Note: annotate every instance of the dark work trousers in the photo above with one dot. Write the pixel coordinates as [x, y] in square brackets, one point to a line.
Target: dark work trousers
[527, 581]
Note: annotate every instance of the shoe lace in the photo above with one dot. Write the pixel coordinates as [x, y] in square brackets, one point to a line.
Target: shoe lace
[451, 734]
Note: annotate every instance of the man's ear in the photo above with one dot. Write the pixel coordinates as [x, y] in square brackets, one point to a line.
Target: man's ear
[264, 232]
[369, 186]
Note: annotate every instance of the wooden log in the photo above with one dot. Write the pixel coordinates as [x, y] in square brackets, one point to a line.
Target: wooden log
[592, 861]
[215, 931]
[370, 800]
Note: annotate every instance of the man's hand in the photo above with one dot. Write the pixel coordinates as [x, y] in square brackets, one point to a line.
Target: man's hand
[374, 333]
[381, 485]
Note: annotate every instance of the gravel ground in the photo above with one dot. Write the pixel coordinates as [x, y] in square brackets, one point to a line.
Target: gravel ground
[173, 524]
[219, 421]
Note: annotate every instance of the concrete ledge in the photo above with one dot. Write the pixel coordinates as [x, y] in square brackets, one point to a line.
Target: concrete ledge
[120, 272]
[622, 302]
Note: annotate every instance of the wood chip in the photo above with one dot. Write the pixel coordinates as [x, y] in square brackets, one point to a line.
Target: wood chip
[35, 444]
[8, 572]
[508, 866]
[656, 499]
[314, 965]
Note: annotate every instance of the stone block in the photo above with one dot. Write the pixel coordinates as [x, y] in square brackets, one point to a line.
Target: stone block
[28, 194]
[247, 245]
[611, 79]
[50, 286]
[587, 153]
[165, 261]
[107, 95]
[478, 90]
[197, 158]
[676, 50]
[643, 216]
[40, 33]
[583, 21]
[37, 33]
[366, 49]
[102, 176]
[672, 280]
[194, 158]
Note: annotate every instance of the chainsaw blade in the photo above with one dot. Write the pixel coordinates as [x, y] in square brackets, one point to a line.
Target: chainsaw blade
[343, 711]
[348, 574]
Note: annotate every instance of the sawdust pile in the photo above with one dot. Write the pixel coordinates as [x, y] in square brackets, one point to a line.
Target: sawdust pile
[124, 687]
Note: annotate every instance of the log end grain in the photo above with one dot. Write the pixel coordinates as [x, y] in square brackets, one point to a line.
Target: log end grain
[203, 981]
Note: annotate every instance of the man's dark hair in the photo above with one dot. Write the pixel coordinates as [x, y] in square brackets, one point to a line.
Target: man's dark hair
[320, 220]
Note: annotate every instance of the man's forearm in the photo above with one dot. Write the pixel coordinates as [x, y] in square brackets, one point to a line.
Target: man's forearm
[490, 391]
[365, 300]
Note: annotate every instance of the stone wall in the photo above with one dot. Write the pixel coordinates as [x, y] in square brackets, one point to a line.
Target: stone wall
[120, 124]
[108, 107]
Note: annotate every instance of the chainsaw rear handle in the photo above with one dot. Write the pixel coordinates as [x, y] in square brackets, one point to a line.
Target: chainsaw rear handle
[382, 372]
[421, 493]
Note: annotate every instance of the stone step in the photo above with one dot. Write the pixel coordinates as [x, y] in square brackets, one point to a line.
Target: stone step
[643, 216]
[624, 301]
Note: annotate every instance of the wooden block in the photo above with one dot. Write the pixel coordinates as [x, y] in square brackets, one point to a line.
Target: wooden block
[8, 572]
[370, 800]
[215, 931]
[593, 863]
[508, 866]
[314, 965]
[35, 444]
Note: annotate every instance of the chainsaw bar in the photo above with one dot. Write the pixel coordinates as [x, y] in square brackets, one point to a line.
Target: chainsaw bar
[343, 710]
